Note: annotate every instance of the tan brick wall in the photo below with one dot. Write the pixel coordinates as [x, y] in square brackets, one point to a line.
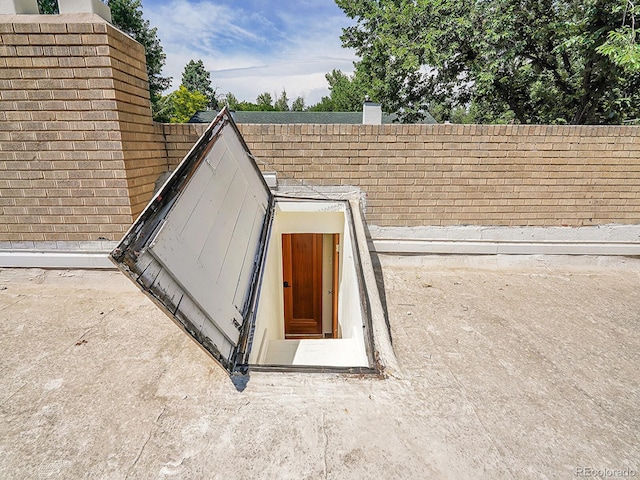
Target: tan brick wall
[179, 139]
[142, 140]
[458, 174]
[78, 150]
[79, 153]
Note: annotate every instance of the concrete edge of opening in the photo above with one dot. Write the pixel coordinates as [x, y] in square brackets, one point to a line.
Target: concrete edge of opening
[380, 335]
[603, 240]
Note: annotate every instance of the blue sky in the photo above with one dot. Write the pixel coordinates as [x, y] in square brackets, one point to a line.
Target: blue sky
[254, 46]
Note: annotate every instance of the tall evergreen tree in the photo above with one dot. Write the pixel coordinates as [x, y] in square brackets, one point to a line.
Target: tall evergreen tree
[265, 101]
[231, 101]
[197, 79]
[298, 105]
[282, 102]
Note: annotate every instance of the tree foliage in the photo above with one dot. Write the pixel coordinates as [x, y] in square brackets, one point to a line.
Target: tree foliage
[265, 101]
[230, 101]
[282, 102]
[197, 79]
[48, 7]
[298, 105]
[527, 61]
[346, 93]
[164, 109]
[622, 45]
[127, 16]
[184, 103]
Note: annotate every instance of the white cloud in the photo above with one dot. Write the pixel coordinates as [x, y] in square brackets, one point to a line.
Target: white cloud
[299, 78]
[248, 54]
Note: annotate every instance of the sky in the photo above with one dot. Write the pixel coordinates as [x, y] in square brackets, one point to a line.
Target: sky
[254, 46]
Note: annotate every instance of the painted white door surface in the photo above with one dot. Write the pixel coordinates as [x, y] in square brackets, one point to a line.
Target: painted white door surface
[197, 247]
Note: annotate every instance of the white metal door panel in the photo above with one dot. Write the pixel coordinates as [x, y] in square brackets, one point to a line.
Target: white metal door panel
[211, 236]
[196, 249]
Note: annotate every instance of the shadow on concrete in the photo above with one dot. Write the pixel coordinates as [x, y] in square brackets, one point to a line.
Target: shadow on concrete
[377, 270]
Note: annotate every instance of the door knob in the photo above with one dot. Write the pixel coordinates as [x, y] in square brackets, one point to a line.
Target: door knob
[286, 285]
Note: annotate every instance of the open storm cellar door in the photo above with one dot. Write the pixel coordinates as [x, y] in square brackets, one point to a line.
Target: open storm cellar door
[259, 281]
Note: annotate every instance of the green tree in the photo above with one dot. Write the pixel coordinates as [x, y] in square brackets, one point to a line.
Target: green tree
[324, 105]
[127, 16]
[528, 61]
[282, 102]
[621, 45]
[265, 101]
[197, 79]
[231, 101]
[48, 7]
[298, 105]
[234, 104]
[245, 106]
[165, 109]
[185, 103]
[346, 93]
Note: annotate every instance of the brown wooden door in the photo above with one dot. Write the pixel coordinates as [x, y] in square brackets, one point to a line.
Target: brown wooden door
[302, 284]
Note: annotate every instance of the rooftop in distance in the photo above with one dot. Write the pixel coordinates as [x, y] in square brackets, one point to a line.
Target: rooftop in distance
[207, 116]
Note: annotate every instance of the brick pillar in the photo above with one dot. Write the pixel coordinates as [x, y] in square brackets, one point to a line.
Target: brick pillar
[79, 153]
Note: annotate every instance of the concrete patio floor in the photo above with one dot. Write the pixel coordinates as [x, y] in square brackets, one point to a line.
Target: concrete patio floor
[509, 368]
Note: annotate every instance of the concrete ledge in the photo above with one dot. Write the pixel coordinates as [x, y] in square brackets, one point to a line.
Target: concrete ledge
[473, 240]
[96, 7]
[608, 240]
[61, 18]
[90, 254]
[20, 7]
[35, 259]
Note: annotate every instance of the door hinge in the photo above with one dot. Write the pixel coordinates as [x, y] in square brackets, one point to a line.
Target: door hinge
[337, 248]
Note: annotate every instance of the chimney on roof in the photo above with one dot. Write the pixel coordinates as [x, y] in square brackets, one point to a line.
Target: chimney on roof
[371, 112]
[13, 7]
[85, 6]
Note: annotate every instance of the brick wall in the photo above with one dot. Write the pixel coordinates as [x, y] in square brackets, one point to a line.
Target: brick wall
[143, 145]
[458, 174]
[78, 150]
[179, 138]
[79, 153]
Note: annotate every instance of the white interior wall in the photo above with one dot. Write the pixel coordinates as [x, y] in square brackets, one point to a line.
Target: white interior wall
[349, 305]
[270, 306]
[327, 282]
[269, 343]
[289, 217]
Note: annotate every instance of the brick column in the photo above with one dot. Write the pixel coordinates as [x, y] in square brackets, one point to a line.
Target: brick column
[79, 153]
